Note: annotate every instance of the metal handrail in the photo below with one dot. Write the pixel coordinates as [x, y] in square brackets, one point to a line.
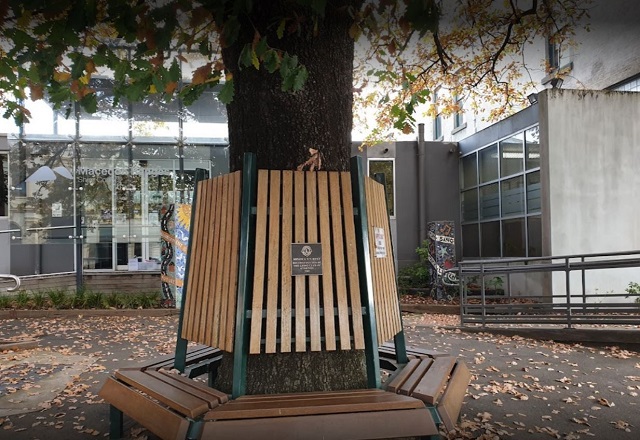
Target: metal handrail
[550, 308]
[14, 278]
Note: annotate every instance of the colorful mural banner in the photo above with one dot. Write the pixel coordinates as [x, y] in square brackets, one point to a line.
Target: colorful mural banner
[441, 244]
[175, 238]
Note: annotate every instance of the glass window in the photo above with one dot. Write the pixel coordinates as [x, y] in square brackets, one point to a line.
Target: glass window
[437, 127]
[499, 186]
[108, 120]
[489, 201]
[153, 117]
[469, 175]
[511, 155]
[4, 185]
[385, 167]
[534, 203]
[490, 237]
[471, 241]
[512, 196]
[205, 118]
[513, 237]
[488, 163]
[534, 229]
[470, 205]
[458, 116]
[532, 145]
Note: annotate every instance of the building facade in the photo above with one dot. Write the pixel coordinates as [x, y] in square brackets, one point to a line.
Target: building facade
[90, 191]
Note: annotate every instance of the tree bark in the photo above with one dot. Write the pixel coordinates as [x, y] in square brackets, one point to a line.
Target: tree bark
[281, 127]
[278, 126]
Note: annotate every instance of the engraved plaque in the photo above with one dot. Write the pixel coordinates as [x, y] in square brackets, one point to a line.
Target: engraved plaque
[306, 259]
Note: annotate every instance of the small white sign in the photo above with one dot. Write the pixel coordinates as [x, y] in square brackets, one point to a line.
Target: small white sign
[381, 245]
[56, 210]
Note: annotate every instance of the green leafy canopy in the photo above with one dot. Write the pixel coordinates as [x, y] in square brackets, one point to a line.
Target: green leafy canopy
[176, 48]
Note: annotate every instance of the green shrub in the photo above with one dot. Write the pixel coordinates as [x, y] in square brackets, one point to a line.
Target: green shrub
[112, 300]
[79, 300]
[22, 300]
[58, 299]
[633, 290]
[95, 300]
[416, 275]
[5, 301]
[39, 300]
[150, 300]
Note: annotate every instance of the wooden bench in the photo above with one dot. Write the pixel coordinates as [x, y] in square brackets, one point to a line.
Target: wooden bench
[243, 297]
[440, 382]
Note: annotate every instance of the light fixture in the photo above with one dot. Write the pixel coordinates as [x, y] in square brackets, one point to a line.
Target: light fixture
[533, 98]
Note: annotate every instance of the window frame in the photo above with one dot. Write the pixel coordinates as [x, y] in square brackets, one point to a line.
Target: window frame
[524, 174]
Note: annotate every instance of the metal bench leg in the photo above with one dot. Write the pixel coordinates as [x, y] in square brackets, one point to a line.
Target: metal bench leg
[195, 428]
[116, 430]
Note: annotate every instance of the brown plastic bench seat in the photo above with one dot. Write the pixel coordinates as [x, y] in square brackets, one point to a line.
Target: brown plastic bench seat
[440, 382]
[368, 413]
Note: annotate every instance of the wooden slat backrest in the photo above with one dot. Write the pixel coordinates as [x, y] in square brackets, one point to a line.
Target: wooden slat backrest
[209, 315]
[383, 266]
[297, 313]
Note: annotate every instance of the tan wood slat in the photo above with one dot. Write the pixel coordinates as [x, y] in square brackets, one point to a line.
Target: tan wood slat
[224, 261]
[189, 329]
[387, 276]
[385, 289]
[217, 264]
[384, 264]
[371, 200]
[286, 282]
[399, 379]
[317, 405]
[210, 259]
[259, 263]
[300, 282]
[273, 274]
[198, 389]
[314, 280]
[340, 281]
[434, 380]
[235, 261]
[378, 424]
[352, 261]
[327, 269]
[416, 375]
[171, 396]
[162, 422]
[204, 259]
[450, 404]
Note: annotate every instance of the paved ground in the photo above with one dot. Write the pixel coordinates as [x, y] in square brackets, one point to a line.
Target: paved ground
[521, 388]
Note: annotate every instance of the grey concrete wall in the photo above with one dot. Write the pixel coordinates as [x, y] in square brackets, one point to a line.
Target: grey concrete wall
[439, 190]
[442, 186]
[608, 52]
[591, 152]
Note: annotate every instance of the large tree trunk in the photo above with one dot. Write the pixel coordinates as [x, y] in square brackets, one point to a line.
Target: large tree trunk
[281, 126]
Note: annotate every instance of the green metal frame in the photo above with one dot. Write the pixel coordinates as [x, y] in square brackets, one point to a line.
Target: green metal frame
[364, 272]
[399, 341]
[180, 360]
[245, 275]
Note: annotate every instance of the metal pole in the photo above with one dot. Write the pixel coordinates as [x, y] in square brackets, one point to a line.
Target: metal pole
[568, 291]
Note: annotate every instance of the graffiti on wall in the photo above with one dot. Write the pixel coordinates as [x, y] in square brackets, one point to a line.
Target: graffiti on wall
[442, 253]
